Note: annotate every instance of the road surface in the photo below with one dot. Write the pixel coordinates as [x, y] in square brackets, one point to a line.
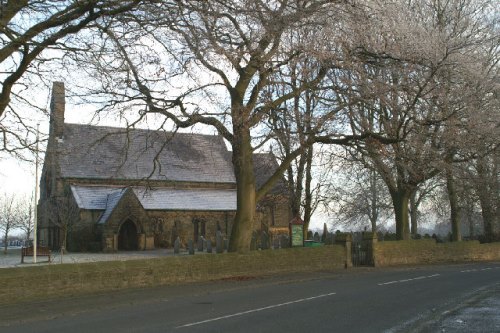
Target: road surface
[419, 299]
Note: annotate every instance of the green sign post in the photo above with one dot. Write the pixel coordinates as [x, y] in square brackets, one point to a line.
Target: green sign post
[297, 232]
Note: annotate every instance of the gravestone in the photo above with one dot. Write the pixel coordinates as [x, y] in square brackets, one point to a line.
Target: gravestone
[316, 237]
[200, 244]
[209, 246]
[253, 243]
[226, 244]
[219, 246]
[177, 245]
[190, 246]
[284, 241]
[264, 241]
[276, 243]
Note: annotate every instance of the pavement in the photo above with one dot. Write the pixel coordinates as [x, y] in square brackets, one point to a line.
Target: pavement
[13, 257]
[476, 313]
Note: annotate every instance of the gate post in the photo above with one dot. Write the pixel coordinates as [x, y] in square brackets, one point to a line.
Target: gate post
[345, 240]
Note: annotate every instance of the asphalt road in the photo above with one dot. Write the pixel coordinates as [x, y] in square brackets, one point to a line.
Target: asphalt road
[418, 299]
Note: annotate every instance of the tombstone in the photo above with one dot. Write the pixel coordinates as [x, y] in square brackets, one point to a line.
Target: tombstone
[316, 237]
[276, 243]
[219, 246]
[253, 243]
[190, 246]
[200, 244]
[177, 245]
[324, 235]
[284, 241]
[209, 246]
[264, 240]
[226, 244]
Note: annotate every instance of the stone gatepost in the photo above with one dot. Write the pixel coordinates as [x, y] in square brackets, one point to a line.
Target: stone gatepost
[346, 241]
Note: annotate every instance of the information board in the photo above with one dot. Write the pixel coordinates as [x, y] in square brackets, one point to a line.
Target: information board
[297, 235]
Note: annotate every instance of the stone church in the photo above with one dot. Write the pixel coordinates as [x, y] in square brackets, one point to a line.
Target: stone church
[109, 189]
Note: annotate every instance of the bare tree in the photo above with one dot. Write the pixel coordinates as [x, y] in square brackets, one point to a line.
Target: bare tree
[8, 217]
[358, 196]
[26, 220]
[64, 214]
[225, 54]
[31, 32]
[291, 126]
[410, 76]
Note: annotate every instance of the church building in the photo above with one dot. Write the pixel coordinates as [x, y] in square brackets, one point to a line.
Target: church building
[110, 188]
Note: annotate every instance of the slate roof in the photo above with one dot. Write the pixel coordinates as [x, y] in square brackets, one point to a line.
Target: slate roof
[112, 201]
[265, 165]
[98, 152]
[103, 197]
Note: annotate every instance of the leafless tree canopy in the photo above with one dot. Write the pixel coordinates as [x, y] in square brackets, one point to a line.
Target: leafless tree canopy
[411, 87]
[32, 32]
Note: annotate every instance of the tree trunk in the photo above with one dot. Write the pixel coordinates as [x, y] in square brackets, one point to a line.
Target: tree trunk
[485, 198]
[454, 207]
[400, 199]
[308, 194]
[374, 200]
[5, 238]
[414, 213]
[241, 232]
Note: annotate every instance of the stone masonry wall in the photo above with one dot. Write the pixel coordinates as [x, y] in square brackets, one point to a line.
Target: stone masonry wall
[425, 251]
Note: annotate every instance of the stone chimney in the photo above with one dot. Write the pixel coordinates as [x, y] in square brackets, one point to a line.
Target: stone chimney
[57, 106]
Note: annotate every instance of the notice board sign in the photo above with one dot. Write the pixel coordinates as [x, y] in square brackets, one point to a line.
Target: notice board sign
[297, 231]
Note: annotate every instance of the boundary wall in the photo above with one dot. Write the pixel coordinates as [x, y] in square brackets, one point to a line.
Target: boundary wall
[39, 282]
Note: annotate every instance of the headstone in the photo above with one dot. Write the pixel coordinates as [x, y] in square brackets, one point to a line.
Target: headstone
[200, 244]
[190, 246]
[219, 246]
[284, 241]
[316, 237]
[177, 245]
[253, 243]
[209, 246]
[324, 235]
[264, 240]
[276, 243]
[226, 244]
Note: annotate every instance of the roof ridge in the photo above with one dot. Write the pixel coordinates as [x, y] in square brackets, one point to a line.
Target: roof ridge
[125, 129]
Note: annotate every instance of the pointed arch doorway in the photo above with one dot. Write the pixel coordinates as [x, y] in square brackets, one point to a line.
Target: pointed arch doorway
[127, 237]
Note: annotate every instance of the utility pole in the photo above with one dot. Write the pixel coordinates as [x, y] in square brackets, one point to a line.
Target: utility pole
[36, 194]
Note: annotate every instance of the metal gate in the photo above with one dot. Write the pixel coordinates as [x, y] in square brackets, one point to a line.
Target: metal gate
[361, 253]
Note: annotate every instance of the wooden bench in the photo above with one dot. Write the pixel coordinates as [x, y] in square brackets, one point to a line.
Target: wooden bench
[41, 251]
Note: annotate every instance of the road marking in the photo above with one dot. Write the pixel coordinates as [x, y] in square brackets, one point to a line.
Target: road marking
[407, 280]
[477, 270]
[256, 310]
[390, 282]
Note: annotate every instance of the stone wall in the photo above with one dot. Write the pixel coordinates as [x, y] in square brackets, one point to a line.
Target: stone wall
[37, 282]
[166, 226]
[427, 251]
